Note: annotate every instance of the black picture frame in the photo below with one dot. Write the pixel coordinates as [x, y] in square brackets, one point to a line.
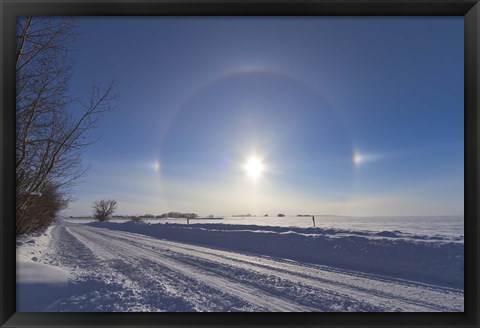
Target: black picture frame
[470, 9]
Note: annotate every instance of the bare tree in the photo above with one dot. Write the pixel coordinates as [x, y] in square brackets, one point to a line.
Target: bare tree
[103, 209]
[50, 126]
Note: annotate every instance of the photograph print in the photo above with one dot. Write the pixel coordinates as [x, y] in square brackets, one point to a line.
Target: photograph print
[239, 164]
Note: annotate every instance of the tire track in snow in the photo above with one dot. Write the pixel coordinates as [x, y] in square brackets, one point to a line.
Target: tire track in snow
[101, 287]
[410, 297]
[380, 293]
[217, 269]
[128, 251]
[154, 276]
[324, 299]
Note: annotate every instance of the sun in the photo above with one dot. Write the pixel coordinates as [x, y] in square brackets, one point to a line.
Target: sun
[254, 167]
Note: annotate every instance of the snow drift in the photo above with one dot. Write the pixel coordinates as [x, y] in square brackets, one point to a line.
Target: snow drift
[39, 286]
[432, 260]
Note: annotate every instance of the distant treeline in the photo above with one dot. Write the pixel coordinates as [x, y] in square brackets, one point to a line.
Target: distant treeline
[160, 216]
[184, 216]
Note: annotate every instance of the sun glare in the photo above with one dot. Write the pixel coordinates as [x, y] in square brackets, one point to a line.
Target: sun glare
[253, 167]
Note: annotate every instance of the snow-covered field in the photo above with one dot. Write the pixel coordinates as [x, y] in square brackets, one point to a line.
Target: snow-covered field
[431, 226]
[242, 264]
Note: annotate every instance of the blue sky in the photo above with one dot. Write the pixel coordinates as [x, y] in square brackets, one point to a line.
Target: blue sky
[348, 116]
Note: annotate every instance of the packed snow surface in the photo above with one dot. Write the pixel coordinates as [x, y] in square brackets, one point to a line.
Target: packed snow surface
[159, 267]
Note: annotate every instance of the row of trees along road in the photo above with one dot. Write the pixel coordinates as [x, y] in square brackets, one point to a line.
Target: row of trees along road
[51, 125]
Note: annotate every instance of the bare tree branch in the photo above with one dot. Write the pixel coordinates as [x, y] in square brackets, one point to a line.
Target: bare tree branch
[49, 140]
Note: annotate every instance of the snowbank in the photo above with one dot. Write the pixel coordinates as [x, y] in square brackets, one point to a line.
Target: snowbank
[39, 286]
[445, 227]
[432, 260]
[37, 273]
[31, 248]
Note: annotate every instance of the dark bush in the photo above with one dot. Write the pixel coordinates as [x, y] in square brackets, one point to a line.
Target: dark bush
[41, 210]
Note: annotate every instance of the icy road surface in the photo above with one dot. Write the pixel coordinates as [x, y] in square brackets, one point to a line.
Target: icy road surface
[123, 271]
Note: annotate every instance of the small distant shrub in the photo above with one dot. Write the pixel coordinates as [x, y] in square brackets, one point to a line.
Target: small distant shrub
[137, 219]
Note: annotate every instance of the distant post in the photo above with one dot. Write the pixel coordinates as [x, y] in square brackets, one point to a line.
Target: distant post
[313, 219]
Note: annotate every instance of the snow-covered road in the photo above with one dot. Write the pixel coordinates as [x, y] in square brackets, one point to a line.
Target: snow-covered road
[123, 271]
